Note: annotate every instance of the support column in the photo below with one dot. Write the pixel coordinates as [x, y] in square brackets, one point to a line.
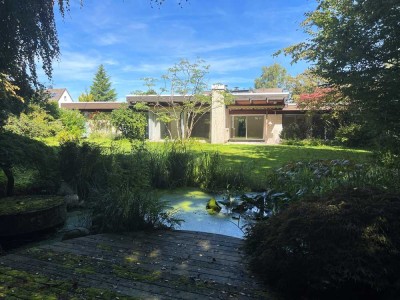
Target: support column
[154, 127]
[274, 128]
[218, 115]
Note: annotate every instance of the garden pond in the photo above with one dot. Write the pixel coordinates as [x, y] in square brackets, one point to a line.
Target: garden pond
[221, 214]
[198, 210]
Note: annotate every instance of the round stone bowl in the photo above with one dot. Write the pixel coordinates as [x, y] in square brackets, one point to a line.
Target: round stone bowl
[27, 214]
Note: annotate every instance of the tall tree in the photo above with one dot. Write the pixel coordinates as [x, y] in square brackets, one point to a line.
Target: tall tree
[188, 81]
[101, 87]
[274, 76]
[27, 34]
[355, 46]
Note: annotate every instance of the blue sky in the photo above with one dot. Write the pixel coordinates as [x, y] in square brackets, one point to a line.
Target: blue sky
[133, 40]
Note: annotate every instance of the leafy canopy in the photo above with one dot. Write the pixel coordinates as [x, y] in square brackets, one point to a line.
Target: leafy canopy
[274, 76]
[101, 87]
[354, 45]
[188, 81]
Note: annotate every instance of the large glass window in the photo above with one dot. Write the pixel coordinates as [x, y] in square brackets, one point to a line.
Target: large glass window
[247, 127]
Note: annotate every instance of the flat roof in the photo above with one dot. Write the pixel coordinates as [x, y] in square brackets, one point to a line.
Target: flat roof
[92, 105]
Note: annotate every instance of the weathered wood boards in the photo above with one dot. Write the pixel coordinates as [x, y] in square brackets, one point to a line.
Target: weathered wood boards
[142, 265]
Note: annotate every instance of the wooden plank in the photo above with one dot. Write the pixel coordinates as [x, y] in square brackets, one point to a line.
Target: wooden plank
[122, 286]
[177, 252]
[220, 277]
[188, 265]
[232, 254]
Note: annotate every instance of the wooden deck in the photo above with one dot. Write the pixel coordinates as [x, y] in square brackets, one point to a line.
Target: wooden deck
[143, 265]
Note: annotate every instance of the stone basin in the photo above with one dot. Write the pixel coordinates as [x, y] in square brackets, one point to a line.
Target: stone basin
[27, 214]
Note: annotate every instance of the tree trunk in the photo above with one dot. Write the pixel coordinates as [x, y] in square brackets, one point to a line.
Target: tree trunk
[10, 181]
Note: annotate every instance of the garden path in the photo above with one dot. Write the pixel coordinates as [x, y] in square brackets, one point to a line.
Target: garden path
[140, 265]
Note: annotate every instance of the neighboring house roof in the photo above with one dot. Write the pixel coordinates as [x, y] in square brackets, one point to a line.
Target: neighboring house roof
[93, 106]
[55, 94]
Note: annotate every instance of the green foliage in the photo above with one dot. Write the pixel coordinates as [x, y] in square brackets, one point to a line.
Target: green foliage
[10, 101]
[294, 131]
[34, 123]
[117, 186]
[340, 245]
[188, 81]
[300, 180]
[81, 166]
[353, 135]
[354, 46]
[100, 124]
[74, 125]
[120, 209]
[274, 76]
[130, 123]
[20, 151]
[86, 97]
[101, 87]
[27, 38]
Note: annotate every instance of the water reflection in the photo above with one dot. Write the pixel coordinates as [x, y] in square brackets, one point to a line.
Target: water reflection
[191, 206]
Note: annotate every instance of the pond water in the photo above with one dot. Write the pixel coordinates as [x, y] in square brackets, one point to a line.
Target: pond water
[190, 204]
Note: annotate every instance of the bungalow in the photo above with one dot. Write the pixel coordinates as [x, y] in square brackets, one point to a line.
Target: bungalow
[253, 116]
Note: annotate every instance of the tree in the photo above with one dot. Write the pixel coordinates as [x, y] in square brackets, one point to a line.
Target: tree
[274, 76]
[354, 46]
[28, 34]
[101, 87]
[9, 98]
[132, 124]
[86, 97]
[185, 102]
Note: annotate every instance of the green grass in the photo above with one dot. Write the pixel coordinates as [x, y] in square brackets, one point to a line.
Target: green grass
[266, 157]
[262, 157]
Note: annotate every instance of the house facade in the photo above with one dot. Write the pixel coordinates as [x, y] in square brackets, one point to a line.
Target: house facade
[253, 115]
[60, 96]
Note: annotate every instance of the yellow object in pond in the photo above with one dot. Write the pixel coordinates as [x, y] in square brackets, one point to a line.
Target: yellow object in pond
[213, 206]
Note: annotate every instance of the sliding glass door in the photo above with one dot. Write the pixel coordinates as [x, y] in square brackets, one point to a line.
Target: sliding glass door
[247, 127]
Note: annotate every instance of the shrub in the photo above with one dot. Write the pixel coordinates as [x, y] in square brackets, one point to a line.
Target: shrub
[125, 200]
[32, 158]
[341, 246]
[294, 131]
[353, 135]
[131, 124]
[124, 208]
[34, 123]
[81, 166]
[74, 123]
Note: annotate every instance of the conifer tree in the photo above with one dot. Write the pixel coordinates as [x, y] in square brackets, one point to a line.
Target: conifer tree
[101, 87]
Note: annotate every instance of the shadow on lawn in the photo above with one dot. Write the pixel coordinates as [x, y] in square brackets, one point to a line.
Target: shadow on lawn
[262, 158]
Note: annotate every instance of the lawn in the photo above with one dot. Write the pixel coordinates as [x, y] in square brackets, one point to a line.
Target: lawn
[258, 158]
[261, 157]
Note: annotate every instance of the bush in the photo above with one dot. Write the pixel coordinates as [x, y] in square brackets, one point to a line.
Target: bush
[74, 124]
[131, 124]
[341, 246]
[124, 208]
[294, 131]
[34, 123]
[81, 166]
[353, 135]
